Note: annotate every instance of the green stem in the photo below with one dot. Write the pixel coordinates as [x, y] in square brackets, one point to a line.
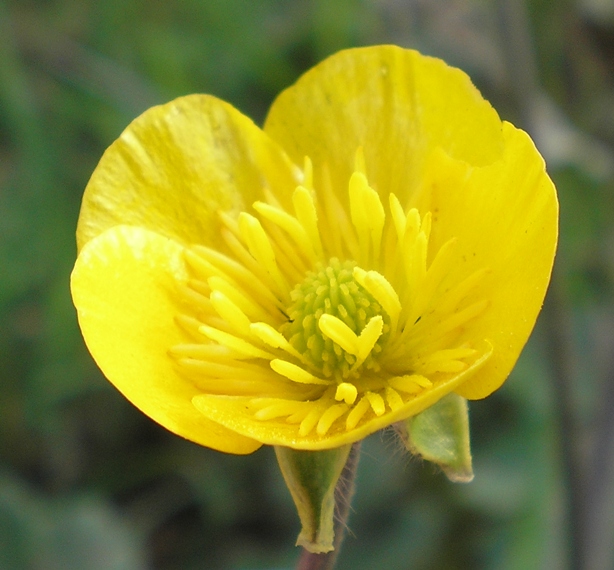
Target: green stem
[344, 491]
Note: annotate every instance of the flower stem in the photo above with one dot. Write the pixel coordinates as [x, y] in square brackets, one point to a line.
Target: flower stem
[344, 491]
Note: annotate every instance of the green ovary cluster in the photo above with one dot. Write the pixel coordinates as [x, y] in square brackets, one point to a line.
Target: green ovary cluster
[332, 289]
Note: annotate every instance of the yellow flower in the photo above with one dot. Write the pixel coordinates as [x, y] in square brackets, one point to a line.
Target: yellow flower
[385, 240]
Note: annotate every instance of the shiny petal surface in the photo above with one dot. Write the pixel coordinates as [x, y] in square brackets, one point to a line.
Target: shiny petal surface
[505, 217]
[396, 104]
[176, 166]
[123, 286]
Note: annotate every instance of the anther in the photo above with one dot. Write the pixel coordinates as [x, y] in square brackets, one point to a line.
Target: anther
[346, 392]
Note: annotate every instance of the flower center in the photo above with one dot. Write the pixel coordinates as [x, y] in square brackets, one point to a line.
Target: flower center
[324, 342]
[324, 319]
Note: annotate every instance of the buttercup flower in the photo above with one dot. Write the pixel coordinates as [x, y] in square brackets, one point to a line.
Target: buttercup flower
[383, 241]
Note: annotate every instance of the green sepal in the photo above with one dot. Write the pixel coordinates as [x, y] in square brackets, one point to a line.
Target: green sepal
[311, 477]
[441, 434]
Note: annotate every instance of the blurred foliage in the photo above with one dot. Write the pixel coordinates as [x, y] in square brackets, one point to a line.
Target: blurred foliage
[86, 481]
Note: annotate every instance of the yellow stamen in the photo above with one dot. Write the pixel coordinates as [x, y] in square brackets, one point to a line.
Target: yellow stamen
[239, 273]
[339, 332]
[267, 334]
[201, 287]
[234, 293]
[277, 409]
[376, 284]
[393, 398]
[425, 227]
[367, 215]
[415, 261]
[291, 225]
[308, 173]
[300, 414]
[377, 403]
[243, 373]
[329, 417]
[209, 351]
[412, 224]
[340, 233]
[228, 311]
[368, 337]
[260, 247]
[450, 354]
[410, 383]
[296, 373]
[310, 421]
[190, 325]
[235, 343]
[305, 209]
[434, 276]
[346, 392]
[450, 366]
[291, 263]
[246, 258]
[195, 298]
[398, 216]
[227, 385]
[357, 413]
[457, 319]
[199, 265]
[451, 299]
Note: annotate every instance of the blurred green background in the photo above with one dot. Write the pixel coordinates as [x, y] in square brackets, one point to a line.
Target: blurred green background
[87, 482]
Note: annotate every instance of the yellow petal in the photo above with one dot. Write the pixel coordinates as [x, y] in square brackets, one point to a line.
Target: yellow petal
[235, 414]
[123, 286]
[395, 103]
[176, 165]
[505, 218]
